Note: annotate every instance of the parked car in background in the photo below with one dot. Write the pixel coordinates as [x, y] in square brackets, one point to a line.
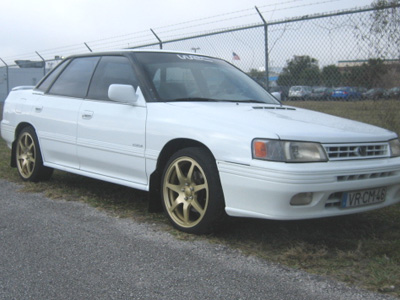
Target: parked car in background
[321, 93]
[394, 93]
[282, 90]
[346, 93]
[299, 92]
[201, 136]
[361, 90]
[375, 94]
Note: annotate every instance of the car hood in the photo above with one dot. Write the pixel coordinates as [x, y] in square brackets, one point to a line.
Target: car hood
[274, 121]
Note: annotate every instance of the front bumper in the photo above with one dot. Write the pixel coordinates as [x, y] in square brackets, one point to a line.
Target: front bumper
[264, 191]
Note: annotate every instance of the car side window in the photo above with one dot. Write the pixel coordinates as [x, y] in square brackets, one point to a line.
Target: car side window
[74, 80]
[111, 70]
[47, 81]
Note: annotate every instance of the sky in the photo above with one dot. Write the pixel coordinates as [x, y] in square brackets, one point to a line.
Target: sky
[53, 27]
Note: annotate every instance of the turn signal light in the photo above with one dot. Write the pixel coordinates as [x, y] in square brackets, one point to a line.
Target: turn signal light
[260, 149]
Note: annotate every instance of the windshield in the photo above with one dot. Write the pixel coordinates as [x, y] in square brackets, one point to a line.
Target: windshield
[183, 77]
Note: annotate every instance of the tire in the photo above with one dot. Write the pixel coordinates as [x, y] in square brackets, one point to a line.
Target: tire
[191, 191]
[28, 157]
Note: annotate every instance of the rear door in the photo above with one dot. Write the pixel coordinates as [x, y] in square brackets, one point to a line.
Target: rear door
[55, 113]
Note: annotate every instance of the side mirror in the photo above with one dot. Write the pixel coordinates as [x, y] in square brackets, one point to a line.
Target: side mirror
[122, 93]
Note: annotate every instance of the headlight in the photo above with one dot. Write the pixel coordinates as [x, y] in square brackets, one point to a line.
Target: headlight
[288, 151]
[394, 148]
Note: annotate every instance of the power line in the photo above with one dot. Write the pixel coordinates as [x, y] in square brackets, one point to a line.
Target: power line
[246, 15]
[145, 36]
[226, 14]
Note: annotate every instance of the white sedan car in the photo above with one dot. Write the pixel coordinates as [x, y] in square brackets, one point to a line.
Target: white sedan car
[201, 136]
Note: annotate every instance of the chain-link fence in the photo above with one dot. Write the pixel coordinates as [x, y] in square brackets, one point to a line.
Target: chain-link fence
[349, 55]
[24, 72]
[352, 57]
[341, 56]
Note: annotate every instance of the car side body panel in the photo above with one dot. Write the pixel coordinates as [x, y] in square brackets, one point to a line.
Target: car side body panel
[55, 121]
[111, 140]
[122, 142]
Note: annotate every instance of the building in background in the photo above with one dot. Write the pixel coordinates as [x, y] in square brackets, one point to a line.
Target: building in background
[25, 72]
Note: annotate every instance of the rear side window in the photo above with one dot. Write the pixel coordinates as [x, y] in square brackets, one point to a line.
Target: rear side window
[74, 80]
[46, 83]
[111, 70]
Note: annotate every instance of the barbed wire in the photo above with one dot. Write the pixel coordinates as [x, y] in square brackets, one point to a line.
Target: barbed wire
[180, 35]
[145, 36]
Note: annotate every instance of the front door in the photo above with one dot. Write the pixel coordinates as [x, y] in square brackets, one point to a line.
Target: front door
[111, 135]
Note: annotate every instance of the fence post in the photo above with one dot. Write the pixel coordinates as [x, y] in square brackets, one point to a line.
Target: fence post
[44, 63]
[88, 47]
[8, 81]
[159, 40]
[266, 46]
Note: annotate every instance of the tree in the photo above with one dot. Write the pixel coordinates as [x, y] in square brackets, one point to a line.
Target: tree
[331, 76]
[386, 24]
[380, 32]
[300, 70]
[256, 74]
[259, 76]
[368, 75]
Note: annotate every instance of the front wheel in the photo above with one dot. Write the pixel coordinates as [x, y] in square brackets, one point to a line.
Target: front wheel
[28, 157]
[191, 191]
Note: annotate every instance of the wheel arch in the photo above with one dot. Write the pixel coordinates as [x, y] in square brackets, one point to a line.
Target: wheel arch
[18, 130]
[168, 150]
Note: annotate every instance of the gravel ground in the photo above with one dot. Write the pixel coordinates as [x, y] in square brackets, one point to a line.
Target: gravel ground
[53, 249]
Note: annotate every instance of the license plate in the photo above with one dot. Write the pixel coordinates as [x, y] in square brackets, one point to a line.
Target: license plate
[362, 198]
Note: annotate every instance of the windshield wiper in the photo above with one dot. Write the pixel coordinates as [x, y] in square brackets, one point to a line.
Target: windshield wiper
[253, 101]
[197, 99]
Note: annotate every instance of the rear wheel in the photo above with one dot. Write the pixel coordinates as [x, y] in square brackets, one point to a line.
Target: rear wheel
[28, 157]
[191, 191]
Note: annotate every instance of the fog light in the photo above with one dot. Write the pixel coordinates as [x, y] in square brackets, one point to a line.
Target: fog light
[301, 199]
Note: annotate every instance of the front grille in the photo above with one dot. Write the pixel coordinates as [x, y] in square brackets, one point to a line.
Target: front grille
[365, 176]
[357, 151]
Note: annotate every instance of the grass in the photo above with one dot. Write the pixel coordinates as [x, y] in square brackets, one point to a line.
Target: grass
[361, 250]
[383, 113]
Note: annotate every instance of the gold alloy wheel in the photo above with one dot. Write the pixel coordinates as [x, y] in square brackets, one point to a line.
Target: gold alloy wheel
[26, 155]
[185, 192]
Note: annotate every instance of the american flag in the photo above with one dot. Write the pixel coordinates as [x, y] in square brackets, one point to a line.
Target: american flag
[235, 56]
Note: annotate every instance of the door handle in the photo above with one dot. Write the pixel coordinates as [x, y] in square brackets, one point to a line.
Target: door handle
[87, 115]
[38, 109]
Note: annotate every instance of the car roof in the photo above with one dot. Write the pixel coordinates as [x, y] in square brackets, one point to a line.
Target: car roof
[138, 50]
